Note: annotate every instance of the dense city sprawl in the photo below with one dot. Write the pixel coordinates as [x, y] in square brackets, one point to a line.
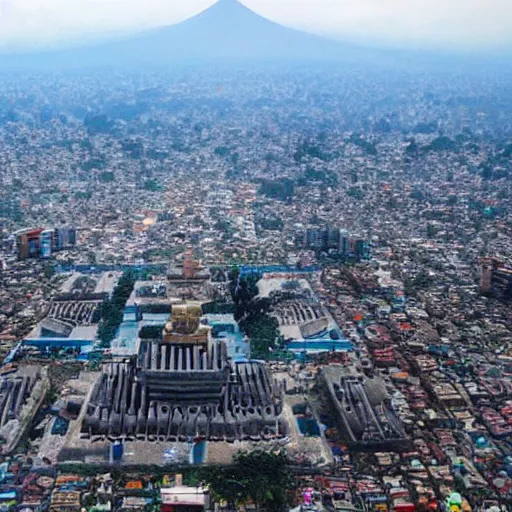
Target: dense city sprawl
[299, 277]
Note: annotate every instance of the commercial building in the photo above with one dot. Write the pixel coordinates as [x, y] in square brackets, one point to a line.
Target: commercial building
[22, 247]
[185, 499]
[335, 240]
[46, 243]
[65, 238]
[42, 243]
[28, 243]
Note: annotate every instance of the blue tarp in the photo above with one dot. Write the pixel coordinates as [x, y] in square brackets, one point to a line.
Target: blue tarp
[320, 345]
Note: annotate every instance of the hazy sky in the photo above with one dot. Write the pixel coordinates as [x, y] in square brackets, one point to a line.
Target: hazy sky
[460, 23]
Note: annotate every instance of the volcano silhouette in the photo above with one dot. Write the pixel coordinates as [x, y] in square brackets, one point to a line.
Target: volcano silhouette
[227, 31]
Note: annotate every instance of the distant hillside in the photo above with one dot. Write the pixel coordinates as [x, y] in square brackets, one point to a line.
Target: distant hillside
[226, 31]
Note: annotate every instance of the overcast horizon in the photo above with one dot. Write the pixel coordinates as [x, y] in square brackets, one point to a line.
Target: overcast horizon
[460, 25]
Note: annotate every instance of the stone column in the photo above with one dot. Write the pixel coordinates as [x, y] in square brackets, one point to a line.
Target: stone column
[172, 362]
[215, 355]
[133, 398]
[124, 397]
[154, 356]
[146, 356]
[188, 351]
[210, 353]
[180, 359]
[197, 360]
[224, 353]
[143, 400]
[163, 358]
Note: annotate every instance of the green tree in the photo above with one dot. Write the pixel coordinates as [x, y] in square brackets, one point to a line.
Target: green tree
[356, 193]
[112, 308]
[270, 223]
[263, 333]
[261, 476]
[98, 123]
[151, 185]
[443, 143]
[151, 332]
[279, 189]
[48, 270]
[221, 151]
[412, 148]
[107, 177]
[431, 231]
[252, 313]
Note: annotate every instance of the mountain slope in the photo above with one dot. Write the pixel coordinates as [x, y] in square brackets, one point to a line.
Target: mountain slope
[226, 31]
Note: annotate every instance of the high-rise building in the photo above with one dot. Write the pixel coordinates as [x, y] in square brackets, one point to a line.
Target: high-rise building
[71, 237]
[337, 240]
[22, 245]
[315, 239]
[190, 266]
[28, 243]
[502, 282]
[21, 242]
[59, 239]
[362, 248]
[352, 246]
[34, 246]
[46, 242]
[486, 269]
[42, 243]
[495, 278]
[343, 241]
[65, 238]
[332, 238]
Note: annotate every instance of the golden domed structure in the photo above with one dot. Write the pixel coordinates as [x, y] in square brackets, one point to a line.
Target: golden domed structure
[184, 326]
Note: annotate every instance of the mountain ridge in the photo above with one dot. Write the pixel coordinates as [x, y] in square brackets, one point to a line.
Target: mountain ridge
[228, 30]
[226, 33]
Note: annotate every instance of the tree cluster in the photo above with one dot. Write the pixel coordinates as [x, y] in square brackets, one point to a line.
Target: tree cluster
[309, 149]
[443, 143]
[263, 332]
[10, 209]
[419, 283]
[98, 123]
[94, 163]
[112, 309]
[270, 223]
[151, 332]
[368, 147]
[325, 177]
[278, 189]
[218, 307]
[107, 177]
[260, 477]
[252, 313]
[151, 186]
